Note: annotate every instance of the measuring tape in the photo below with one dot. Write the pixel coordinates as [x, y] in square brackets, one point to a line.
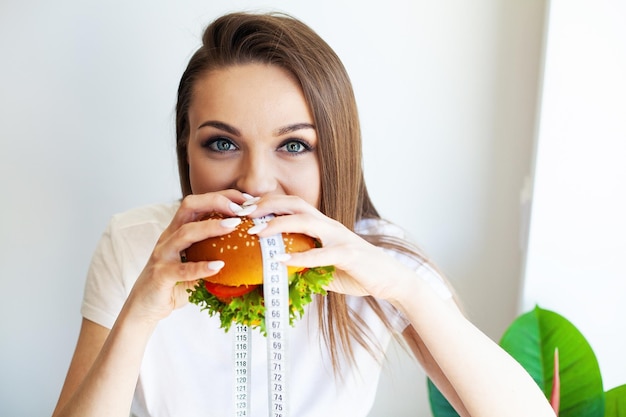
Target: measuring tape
[276, 299]
[241, 372]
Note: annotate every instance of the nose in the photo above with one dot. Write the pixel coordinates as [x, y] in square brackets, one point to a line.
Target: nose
[257, 175]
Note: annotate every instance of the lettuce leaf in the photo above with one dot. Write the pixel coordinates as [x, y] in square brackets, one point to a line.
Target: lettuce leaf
[249, 309]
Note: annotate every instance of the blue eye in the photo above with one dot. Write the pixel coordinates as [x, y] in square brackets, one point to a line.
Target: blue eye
[220, 145]
[295, 146]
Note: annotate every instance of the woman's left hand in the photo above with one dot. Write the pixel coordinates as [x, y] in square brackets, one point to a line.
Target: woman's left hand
[360, 267]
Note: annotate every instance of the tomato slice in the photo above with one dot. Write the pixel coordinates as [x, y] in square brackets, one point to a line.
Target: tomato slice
[225, 292]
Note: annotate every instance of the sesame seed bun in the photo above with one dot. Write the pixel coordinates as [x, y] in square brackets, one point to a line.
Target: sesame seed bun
[241, 253]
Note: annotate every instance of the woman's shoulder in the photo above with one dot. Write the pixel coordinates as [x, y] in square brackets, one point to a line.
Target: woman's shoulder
[159, 215]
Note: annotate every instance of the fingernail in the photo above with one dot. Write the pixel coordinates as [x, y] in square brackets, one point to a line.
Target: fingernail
[235, 208]
[246, 210]
[231, 222]
[250, 201]
[257, 228]
[215, 265]
[247, 196]
[282, 257]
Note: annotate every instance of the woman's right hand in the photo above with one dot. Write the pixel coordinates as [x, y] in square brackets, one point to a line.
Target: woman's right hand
[163, 283]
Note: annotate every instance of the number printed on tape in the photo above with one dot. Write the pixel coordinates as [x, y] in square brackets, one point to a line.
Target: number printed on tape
[276, 293]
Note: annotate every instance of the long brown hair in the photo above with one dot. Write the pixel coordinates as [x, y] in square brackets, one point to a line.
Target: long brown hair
[281, 40]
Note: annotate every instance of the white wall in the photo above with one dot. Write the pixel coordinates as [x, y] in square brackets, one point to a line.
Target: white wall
[447, 94]
[577, 244]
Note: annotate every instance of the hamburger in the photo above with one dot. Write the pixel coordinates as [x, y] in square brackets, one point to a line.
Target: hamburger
[236, 292]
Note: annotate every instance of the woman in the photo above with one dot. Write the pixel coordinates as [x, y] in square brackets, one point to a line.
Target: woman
[267, 123]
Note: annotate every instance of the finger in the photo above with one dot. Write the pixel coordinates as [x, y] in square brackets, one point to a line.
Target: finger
[190, 271]
[282, 205]
[341, 283]
[308, 259]
[190, 233]
[311, 224]
[194, 206]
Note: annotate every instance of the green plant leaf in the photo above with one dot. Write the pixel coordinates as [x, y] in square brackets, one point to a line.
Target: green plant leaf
[616, 402]
[438, 403]
[531, 340]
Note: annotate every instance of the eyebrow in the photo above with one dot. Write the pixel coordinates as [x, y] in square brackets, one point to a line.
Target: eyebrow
[222, 126]
[234, 131]
[292, 128]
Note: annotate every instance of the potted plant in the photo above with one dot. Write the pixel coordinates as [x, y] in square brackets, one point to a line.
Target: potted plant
[561, 362]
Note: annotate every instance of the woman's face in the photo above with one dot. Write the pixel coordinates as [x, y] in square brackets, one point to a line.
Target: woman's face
[251, 130]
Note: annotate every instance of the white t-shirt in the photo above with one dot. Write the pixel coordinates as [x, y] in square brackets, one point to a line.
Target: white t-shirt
[187, 366]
